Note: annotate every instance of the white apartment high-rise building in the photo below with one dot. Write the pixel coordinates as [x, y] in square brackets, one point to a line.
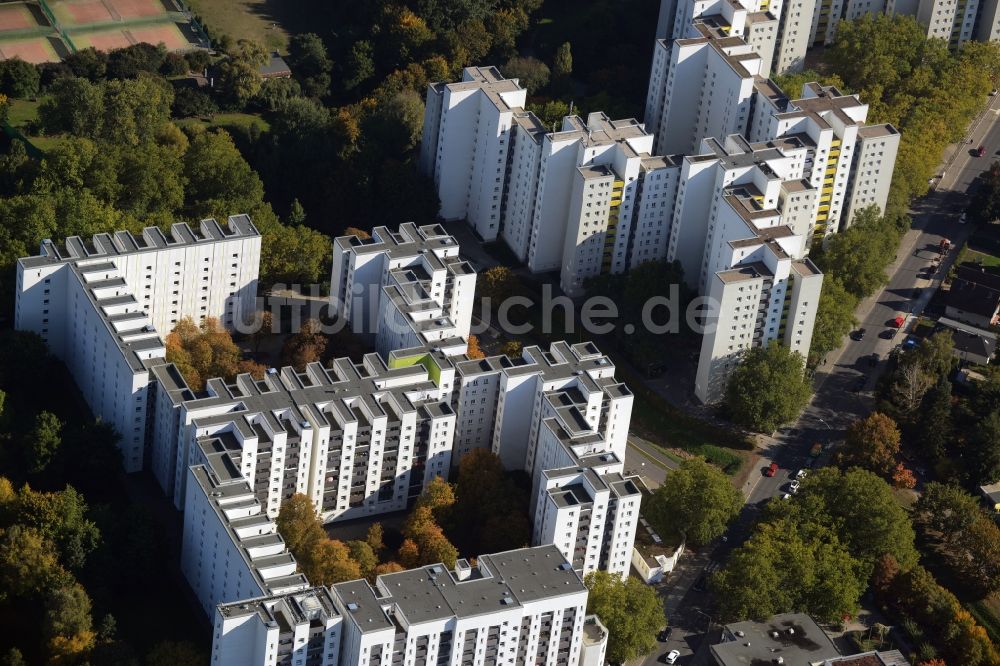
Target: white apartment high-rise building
[301, 627]
[522, 606]
[951, 20]
[103, 305]
[405, 289]
[465, 143]
[849, 161]
[700, 86]
[578, 426]
[988, 21]
[231, 550]
[756, 21]
[357, 439]
[794, 31]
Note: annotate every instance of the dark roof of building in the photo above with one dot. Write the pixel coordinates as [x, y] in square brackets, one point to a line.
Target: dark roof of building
[275, 66]
[975, 273]
[794, 637]
[973, 297]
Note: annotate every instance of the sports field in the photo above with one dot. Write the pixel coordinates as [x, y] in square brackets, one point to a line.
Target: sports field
[80, 13]
[30, 49]
[17, 16]
[115, 38]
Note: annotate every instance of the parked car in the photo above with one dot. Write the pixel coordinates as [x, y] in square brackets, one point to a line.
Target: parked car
[981, 151]
[664, 634]
[858, 335]
[671, 657]
[771, 470]
[802, 473]
[794, 486]
[785, 496]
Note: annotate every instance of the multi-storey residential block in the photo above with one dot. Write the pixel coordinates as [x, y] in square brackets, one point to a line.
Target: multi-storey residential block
[522, 606]
[756, 21]
[403, 289]
[578, 426]
[509, 608]
[850, 162]
[103, 305]
[988, 21]
[358, 439]
[465, 143]
[951, 20]
[231, 550]
[794, 29]
[301, 627]
[700, 86]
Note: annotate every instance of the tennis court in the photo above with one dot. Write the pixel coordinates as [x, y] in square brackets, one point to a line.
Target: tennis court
[115, 38]
[82, 13]
[16, 16]
[30, 49]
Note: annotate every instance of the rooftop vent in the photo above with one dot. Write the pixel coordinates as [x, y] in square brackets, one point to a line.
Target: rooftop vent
[507, 601]
[740, 634]
[352, 607]
[791, 631]
[565, 566]
[272, 371]
[775, 634]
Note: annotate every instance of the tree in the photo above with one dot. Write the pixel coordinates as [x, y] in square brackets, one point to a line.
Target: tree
[43, 441]
[388, 568]
[238, 81]
[306, 346]
[29, 566]
[936, 429]
[980, 555]
[697, 500]
[787, 567]
[190, 102]
[374, 537]
[299, 525]
[439, 497]
[328, 562]
[134, 110]
[768, 388]
[550, 112]
[365, 557]
[175, 653]
[859, 255]
[75, 106]
[531, 73]
[512, 348]
[862, 510]
[310, 63]
[60, 517]
[360, 233]
[491, 509]
[359, 66]
[68, 624]
[202, 352]
[88, 63]
[946, 510]
[133, 61]
[18, 78]
[498, 284]
[631, 611]
[903, 478]
[985, 205]
[984, 450]
[397, 124]
[562, 63]
[473, 350]
[409, 554]
[872, 443]
[834, 317]
[219, 181]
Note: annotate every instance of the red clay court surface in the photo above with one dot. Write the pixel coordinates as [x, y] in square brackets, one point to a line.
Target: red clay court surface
[88, 12]
[106, 40]
[16, 17]
[33, 49]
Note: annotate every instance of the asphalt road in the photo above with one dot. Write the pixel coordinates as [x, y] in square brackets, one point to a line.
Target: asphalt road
[845, 381]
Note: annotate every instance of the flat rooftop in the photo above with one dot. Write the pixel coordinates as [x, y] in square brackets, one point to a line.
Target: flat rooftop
[793, 637]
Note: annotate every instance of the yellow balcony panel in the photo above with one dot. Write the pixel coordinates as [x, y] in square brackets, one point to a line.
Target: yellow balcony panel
[824, 207]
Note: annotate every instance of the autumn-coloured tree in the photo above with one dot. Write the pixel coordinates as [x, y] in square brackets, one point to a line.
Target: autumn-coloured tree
[252, 368]
[439, 497]
[886, 569]
[328, 562]
[498, 284]
[408, 554]
[473, 350]
[375, 537]
[298, 524]
[202, 352]
[388, 568]
[872, 443]
[265, 329]
[903, 478]
[306, 346]
[933, 662]
[360, 233]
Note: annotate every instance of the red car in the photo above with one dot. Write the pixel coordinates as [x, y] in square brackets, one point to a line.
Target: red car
[981, 151]
[771, 470]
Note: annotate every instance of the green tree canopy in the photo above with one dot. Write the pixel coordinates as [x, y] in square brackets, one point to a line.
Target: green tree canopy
[697, 499]
[631, 611]
[768, 388]
[834, 317]
[310, 63]
[531, 73]
[19, 78]
[872, 443]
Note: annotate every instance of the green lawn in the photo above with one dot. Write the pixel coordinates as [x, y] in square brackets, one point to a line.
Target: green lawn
[21, 112]
[242, 19]
[668, 427]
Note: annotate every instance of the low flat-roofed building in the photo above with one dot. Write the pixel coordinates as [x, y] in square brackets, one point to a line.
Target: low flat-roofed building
[795, 638]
